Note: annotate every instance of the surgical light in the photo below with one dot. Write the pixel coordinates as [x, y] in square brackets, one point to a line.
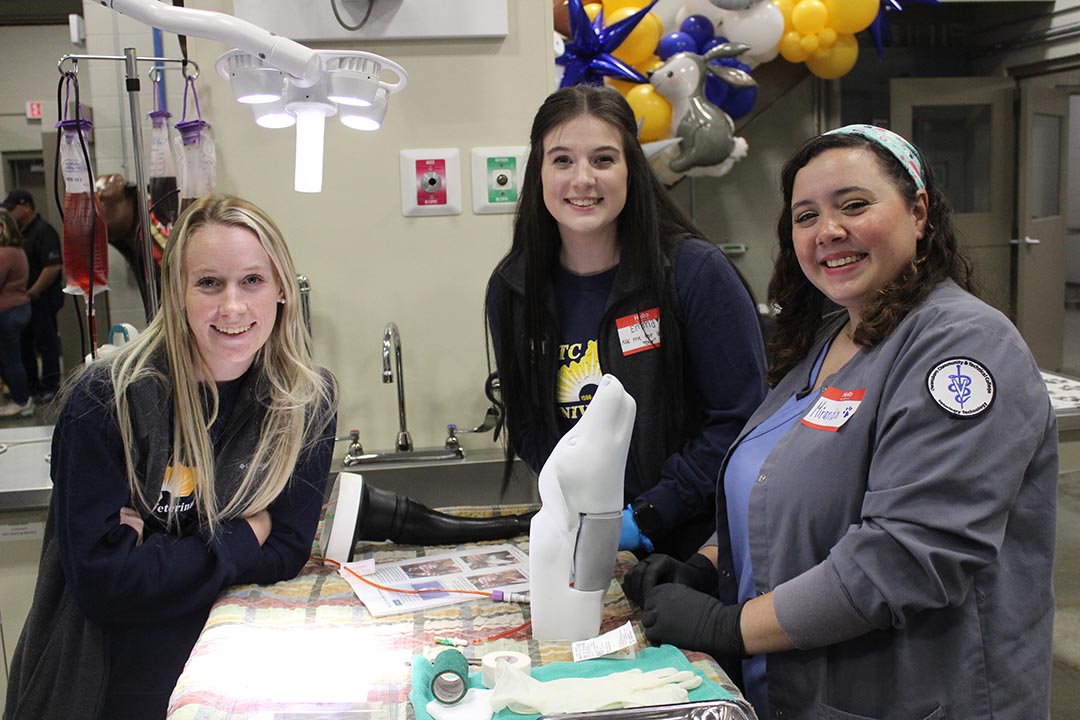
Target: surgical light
[367, 118]
[273, 115]
[267, 67]
[345, 82]
[252, 81]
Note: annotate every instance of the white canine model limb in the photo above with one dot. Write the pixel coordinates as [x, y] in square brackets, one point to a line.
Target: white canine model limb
[574, 537]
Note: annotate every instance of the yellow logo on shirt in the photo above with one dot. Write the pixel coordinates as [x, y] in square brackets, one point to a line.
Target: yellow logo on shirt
[578, 380]
[177, 488]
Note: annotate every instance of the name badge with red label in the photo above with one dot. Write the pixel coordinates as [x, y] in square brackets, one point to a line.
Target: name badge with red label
[834, 408]
[639, 332]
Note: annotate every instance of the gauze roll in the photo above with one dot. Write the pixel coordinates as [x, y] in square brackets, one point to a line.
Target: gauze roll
[490, 662]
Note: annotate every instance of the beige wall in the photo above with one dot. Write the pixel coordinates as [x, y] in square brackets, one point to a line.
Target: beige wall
[29, 74]
[368, 264]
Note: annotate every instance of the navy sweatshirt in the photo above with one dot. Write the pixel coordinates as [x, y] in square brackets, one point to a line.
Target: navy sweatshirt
[153, 598]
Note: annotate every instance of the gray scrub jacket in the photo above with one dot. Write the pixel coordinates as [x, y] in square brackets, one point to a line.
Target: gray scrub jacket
[910, 551]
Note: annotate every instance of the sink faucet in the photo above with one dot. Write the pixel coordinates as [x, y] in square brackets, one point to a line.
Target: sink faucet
[391, 344]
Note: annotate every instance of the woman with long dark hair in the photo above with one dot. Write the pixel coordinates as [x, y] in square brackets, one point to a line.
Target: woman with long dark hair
[607, 275]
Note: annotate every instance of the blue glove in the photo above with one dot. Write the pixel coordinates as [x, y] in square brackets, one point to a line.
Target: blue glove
[692, 620]
[630, 537]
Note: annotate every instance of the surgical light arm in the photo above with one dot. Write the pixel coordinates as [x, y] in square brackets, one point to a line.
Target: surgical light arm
[286, 55]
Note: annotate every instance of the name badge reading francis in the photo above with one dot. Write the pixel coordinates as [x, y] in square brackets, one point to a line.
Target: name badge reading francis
[834, 408]
[639, 331]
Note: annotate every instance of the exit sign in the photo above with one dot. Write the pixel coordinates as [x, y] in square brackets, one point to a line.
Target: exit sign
[33, 109]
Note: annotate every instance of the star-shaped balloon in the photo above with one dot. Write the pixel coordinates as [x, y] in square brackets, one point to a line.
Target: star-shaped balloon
[881, 31]
[587, 57]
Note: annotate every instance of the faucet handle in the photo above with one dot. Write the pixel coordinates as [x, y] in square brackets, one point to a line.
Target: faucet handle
[452, 442]
[491, 419]
[355, 448]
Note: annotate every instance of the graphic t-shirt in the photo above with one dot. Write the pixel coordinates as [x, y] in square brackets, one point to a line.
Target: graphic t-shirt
[581, 301]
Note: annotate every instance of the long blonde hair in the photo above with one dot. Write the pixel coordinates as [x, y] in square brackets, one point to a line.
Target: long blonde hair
[302, 398]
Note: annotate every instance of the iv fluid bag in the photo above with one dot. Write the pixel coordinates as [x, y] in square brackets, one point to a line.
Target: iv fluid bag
[197, 160]
[164, 198]
[84, 235]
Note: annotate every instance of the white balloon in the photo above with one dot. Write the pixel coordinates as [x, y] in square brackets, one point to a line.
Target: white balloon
[665, 11]
[760, 27]
[755, 60]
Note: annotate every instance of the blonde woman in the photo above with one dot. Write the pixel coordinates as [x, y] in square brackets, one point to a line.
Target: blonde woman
[193, 459]
[14, 317]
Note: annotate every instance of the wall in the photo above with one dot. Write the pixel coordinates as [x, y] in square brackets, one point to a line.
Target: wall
[366, 263]
[34, 50]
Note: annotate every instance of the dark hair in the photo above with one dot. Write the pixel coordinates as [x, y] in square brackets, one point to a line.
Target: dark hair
[802, 306]
[649, 220]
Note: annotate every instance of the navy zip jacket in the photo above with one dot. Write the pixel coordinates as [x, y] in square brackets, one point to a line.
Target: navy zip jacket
[723, 368]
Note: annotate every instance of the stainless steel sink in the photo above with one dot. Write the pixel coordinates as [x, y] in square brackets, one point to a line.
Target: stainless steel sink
[475, 479]
[405, 456]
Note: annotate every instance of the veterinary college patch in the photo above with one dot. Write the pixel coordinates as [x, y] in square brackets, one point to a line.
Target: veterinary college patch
[961, 386]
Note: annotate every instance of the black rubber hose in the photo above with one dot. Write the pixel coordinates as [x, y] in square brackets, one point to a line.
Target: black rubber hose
[386, 515]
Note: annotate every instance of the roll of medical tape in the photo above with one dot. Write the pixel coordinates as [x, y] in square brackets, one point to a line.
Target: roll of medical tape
[490, 661]
[450, 677]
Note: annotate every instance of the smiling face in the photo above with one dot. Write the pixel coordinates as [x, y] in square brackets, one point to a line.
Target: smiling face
[852, 230]
[230, 295]
[584, 176]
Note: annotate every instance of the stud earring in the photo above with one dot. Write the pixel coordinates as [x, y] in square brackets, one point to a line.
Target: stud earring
[281, 301]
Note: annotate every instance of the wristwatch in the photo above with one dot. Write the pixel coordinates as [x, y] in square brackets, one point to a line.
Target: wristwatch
[647, 518]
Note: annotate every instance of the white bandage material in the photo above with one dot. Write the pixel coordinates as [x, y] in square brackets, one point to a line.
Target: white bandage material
[632, 688]
[474, 706]
[489, 662]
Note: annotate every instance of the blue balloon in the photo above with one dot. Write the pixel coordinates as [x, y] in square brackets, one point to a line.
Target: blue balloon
[673, 43]
[700, 28]
[740, 101]
[716, 91]
[713, 42]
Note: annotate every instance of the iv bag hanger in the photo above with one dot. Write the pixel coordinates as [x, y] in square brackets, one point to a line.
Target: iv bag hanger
[131, 77]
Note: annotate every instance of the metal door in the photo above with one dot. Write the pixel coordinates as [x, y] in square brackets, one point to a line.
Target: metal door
[965, 128]
[1041, 221]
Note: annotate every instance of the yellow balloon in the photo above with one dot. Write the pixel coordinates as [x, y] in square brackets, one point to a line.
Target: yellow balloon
[623, 86]
[649, 64]
[827, 37]
[810, 44]
[785, 7]
[611, 6]
[652, 112]
[809, 16]
[593, 9]
[791, 48]
[848, 17]
[642, 40]
[840, 60]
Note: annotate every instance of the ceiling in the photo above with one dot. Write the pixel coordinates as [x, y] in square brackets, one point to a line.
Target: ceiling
[38, 12]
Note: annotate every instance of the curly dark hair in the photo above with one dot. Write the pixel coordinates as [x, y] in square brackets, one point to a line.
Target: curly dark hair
[803, 306]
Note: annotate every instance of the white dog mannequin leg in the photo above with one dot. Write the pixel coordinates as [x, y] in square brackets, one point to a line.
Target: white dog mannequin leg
[575, 536]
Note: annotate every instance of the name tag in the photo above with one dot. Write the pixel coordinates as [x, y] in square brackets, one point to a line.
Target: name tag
[639, 332]
[834, 408]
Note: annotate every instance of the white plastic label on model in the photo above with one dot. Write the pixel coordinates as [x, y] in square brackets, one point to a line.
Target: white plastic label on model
[496, 178]
[430, 182]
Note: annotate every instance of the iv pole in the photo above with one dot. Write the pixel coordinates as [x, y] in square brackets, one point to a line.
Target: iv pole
[299, 61]
[131, 77]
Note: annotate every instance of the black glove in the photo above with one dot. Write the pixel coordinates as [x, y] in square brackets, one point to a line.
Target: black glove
[656, 569]
[692, 620]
